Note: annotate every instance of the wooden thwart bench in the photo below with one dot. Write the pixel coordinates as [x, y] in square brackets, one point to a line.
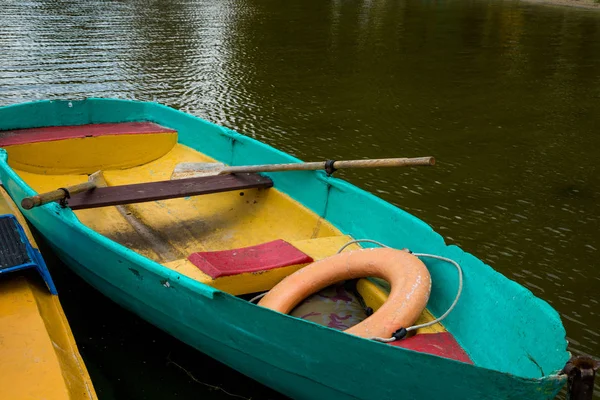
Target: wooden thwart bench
[145, 192]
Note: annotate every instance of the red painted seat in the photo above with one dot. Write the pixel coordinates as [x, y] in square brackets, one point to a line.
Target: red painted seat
[262, 257]
[51, 133]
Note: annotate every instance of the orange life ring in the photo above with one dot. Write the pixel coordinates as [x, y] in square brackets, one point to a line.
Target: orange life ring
[408, 277]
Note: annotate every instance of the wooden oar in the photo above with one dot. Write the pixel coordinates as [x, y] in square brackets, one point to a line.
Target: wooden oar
[191, 170]
[60, 194]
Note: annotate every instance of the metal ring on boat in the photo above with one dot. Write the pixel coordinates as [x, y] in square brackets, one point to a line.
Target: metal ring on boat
[408, 277]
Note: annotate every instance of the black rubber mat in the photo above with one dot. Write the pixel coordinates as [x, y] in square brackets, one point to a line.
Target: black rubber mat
[12, 249]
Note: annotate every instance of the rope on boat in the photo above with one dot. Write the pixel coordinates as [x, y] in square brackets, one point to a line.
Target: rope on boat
[260, 296]
[402, 332]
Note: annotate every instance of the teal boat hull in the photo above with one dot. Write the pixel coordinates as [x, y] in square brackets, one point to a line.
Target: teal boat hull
[516, 341]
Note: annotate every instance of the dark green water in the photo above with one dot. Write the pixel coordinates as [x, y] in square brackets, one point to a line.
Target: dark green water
[506, 95]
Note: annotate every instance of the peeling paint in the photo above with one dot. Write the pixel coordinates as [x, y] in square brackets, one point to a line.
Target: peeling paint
[136, 273]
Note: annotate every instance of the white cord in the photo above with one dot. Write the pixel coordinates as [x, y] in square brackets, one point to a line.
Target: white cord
[361, 241]
[458, 293]
[435, 321]
[260, 296]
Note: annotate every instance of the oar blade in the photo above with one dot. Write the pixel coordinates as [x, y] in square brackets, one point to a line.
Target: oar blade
[195, 169]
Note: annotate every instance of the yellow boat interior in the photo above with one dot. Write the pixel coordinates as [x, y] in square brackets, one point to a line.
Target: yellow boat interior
[170, 231]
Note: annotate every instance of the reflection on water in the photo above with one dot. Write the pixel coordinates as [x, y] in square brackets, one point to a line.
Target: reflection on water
[506, 95]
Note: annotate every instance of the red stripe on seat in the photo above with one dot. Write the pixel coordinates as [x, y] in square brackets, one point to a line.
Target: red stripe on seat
[50, 133]
[262, 257]
[440, 344]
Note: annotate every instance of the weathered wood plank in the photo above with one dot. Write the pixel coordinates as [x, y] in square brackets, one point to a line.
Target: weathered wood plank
[144, 192]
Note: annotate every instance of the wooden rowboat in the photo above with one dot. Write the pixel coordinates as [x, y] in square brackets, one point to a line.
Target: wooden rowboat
[38, 354]
[164, 250]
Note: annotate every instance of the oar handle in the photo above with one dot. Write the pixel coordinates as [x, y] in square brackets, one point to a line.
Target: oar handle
[385, 162]
[59, 194]
[333, 165]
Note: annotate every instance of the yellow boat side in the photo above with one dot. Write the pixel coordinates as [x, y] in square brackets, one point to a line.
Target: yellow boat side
[38, 353]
